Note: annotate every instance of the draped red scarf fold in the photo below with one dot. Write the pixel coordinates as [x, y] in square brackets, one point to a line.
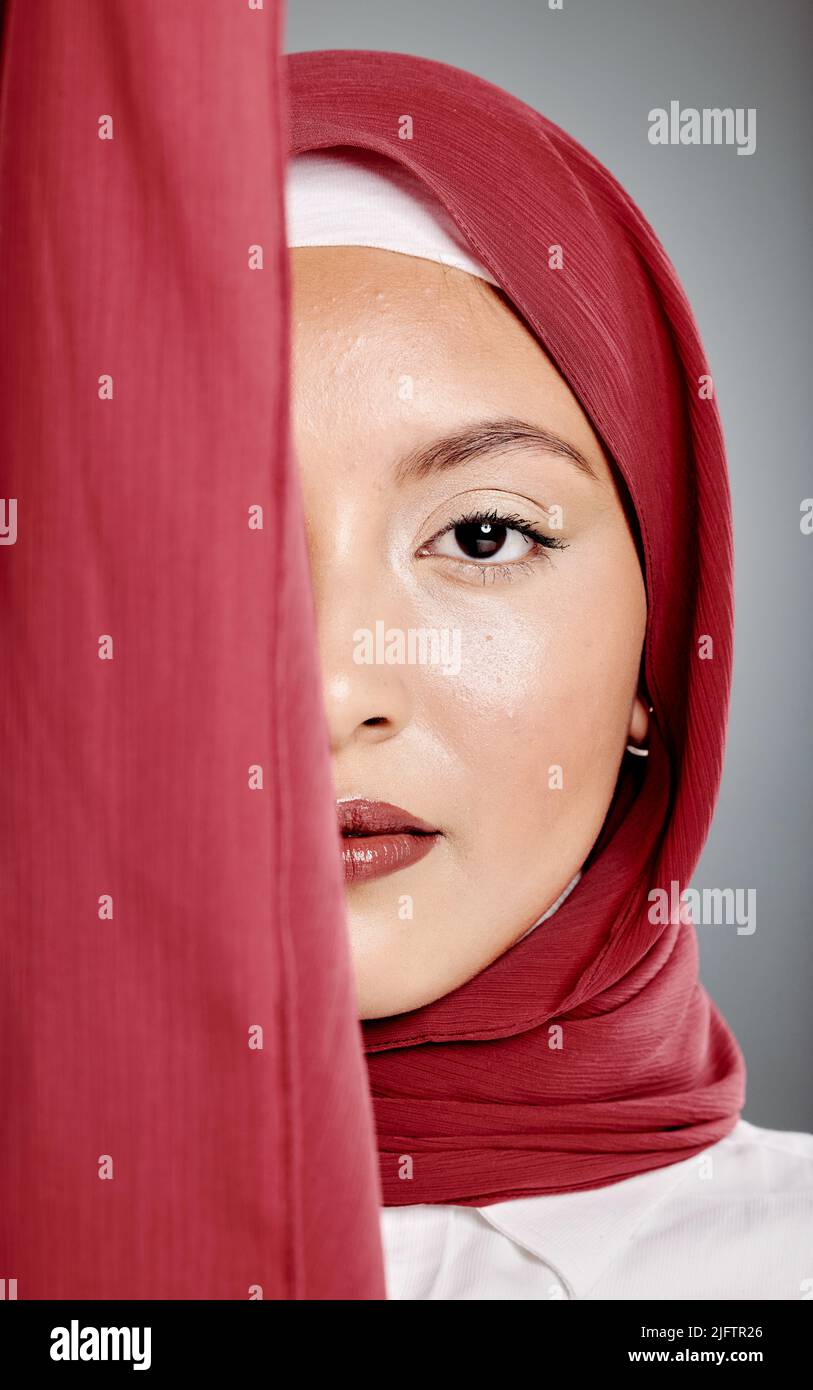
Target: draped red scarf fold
[589, 1051]
[173, 1126]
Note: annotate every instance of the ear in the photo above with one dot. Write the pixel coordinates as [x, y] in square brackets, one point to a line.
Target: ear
[639, 723]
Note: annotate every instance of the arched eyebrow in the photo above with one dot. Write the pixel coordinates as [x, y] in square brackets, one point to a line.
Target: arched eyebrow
[486, 437]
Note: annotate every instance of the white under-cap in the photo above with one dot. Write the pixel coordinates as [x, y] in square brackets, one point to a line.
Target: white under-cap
[357, 197]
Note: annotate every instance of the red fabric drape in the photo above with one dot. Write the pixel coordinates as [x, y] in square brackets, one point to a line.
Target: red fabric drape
[155, 648]
[473, 1089]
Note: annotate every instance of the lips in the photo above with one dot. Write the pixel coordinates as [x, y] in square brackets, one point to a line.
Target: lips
[379, 838]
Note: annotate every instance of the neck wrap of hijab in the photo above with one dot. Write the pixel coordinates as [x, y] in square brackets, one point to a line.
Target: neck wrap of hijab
[589, 1051]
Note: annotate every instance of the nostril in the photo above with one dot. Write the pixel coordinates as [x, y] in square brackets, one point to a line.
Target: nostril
[374, 720]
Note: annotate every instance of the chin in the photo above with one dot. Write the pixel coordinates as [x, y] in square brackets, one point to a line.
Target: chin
[393, 976]
[383, 987]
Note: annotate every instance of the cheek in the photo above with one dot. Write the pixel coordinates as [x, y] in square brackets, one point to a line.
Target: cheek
[547, 683]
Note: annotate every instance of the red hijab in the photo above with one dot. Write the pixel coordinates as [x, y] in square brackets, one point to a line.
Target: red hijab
[473, 1088]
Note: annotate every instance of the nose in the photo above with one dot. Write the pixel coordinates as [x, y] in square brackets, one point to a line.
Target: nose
[367, 699]
[365, 707]
[357, 600]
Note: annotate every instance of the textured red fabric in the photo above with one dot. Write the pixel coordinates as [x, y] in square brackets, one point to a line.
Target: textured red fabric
[147, 1150]
[468, 1087]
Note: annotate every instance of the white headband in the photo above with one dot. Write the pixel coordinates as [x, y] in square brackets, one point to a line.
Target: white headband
[362, 198]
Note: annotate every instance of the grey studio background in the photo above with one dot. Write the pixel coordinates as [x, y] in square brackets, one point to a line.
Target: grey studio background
[739, 231]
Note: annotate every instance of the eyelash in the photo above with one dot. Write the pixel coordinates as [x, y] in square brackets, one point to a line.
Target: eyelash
[512, 522]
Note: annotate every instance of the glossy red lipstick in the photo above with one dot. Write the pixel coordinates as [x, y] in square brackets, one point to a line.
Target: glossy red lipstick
[379, 839]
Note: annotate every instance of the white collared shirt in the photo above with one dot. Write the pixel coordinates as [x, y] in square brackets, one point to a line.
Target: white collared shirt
[735, 1221]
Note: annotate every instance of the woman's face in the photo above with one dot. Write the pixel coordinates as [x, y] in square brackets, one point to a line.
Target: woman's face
[480, 609]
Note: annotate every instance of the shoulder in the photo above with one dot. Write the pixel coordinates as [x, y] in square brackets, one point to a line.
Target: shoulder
[738, 1224]
[732, 1222]
[752, 1161]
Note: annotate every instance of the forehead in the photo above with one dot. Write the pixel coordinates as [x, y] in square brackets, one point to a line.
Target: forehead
[348, 268]
[381, 340]
[394, 302]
